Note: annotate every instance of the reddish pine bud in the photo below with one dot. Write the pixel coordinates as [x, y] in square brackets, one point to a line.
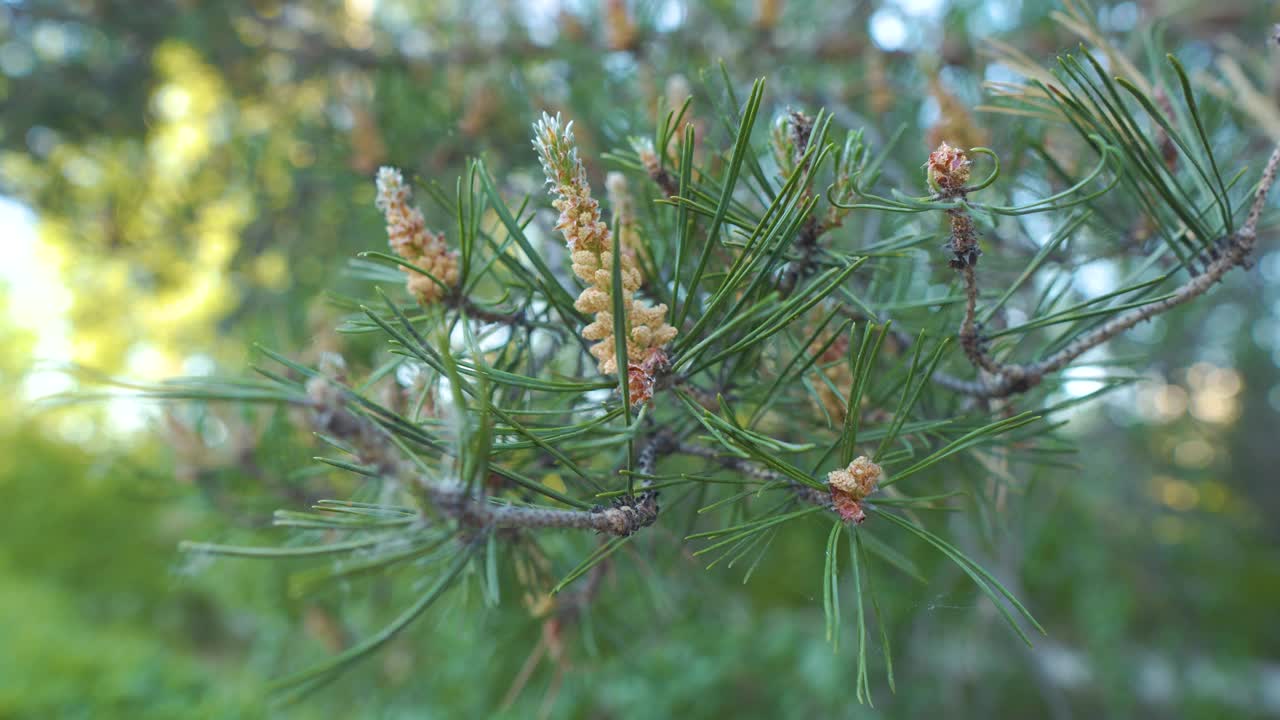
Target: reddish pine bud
[948, 169]
[852, 485]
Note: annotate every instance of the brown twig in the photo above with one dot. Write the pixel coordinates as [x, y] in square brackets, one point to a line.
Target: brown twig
[665, 181]
[800, 134]
[459, 302]
[971, 341]
[624, 517]
[1007, 379]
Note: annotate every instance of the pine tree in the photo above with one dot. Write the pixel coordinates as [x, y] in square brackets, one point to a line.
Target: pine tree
[563, 395]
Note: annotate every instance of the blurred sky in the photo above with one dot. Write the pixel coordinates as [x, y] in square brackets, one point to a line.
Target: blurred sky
[38, 298]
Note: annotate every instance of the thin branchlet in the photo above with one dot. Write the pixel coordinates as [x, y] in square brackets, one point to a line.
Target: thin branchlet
[647, 459]
[660, 176]
[791, 137]
[483, 314]
[623, 517]
[810, 495]
[1227, 253]
[973, 344]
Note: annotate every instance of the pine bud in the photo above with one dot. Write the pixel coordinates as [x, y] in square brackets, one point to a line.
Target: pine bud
[948, 170]
[591, 245]
[852, 485]
[409, 238]
[789, 139]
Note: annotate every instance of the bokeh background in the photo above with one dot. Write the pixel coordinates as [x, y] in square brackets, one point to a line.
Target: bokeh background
[181, 179]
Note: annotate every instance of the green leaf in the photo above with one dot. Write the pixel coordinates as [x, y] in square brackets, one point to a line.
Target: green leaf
[862, 684]
[617, 293]
[278, 552]
[856, 539]
[598, 556]
[742, 143]
[983, 579]
[366, 647]
[557, 294]
[861, 370]
[831, 586]
[966, 441]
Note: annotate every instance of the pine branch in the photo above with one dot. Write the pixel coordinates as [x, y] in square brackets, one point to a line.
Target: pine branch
[373, 448]
[624, 517]
[754, 297]
[1227, 253]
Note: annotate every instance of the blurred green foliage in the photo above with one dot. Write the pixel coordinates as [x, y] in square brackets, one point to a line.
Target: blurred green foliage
[199, 170]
